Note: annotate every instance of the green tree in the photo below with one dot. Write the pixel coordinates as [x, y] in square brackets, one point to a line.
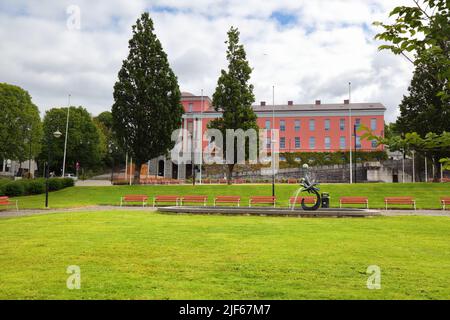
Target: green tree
[85, 143]
[147, 106]
[234, 95]
[423, 31]
[104, 122]
[20, 124]
[422, 111]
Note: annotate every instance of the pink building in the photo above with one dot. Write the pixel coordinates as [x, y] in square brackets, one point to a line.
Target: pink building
[302, 127]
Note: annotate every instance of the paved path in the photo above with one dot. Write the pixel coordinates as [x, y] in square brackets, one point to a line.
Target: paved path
[93, 183]
[30, 212]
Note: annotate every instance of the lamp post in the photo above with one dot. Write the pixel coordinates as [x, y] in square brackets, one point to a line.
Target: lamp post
[273, 141]
[29, 156]
[56, 134]
[356, 146]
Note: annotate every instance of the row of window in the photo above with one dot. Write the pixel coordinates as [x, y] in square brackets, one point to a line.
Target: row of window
[327, 124]
[327, 142]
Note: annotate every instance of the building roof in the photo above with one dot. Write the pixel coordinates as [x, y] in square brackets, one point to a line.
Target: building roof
[320, 107]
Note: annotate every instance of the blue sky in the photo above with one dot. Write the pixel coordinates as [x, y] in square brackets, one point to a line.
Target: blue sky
[308, 49]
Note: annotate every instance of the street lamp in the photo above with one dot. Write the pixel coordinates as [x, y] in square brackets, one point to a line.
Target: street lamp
[29, 157]
[57, 134]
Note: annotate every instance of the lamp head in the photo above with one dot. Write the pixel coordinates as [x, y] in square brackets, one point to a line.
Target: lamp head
[57, 134]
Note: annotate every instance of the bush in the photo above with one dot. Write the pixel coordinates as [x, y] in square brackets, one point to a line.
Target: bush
[14, 189]
[67, 182]
[55, 184]
[35, 186]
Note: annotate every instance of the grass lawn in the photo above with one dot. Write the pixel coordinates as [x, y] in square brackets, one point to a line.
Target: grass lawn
[427, 195]
[139, 255]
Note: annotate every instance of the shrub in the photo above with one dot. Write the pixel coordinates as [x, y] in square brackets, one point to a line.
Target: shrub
[67, 182]
[35, 186]
[14, 189]
[55, 184]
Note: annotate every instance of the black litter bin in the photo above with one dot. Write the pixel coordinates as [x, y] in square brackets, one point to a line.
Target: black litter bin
[325, 200]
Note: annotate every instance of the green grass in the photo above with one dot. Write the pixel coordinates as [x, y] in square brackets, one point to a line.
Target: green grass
[139, 255]
[427, 195]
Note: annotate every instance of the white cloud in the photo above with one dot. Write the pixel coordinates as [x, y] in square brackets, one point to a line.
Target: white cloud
[325, 45]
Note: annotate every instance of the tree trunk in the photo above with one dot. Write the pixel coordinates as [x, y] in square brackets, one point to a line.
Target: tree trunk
[137, 172]
[230, 168]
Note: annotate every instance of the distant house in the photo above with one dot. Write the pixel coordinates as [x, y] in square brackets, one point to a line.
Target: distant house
[10, 168]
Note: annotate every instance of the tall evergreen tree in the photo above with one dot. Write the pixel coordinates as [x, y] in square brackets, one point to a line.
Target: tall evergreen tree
[147, 105]
[234, 95]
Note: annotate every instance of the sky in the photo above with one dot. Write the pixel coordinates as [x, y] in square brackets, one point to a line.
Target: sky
[308, 49]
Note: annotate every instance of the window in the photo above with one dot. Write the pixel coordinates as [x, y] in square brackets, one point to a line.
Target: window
[342, 143]
[282, 158]
[297, 125]
[268, 143]
[374, 144]
[191, 105]
[297, 143]
[357, 123]
[327, 143]
[312, 143]
[268, 124]
[189, 126]
[312, 125]
[358, 142]
[342, 124]
[373, 124]
[282, 143]
[282, 125]
[327, 124]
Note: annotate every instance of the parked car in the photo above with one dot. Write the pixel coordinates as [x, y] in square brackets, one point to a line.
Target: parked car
[71, 176]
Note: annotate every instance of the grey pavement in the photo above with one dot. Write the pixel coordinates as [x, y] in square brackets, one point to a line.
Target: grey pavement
[30, 212]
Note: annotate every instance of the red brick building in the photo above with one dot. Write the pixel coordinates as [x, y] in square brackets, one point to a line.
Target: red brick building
[316, 127]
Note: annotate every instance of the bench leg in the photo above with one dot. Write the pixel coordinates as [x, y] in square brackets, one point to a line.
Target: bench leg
[214, 203]
[367, 204]
[121, 202]
[153, 202]
[340, 204]
[415, 206]
[17, 205]
[386, 205]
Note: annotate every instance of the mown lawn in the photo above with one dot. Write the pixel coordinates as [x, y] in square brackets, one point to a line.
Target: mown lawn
[141, 255]
[427, 195]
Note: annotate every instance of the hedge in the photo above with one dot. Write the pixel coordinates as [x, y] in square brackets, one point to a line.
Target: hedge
[37, 186]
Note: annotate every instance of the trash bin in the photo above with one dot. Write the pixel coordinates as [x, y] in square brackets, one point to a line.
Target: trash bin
[325, 200]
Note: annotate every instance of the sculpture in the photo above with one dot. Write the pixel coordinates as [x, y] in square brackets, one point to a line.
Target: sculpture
[311, 188]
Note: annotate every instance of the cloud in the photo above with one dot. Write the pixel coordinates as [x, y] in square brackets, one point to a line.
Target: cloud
[308, 49]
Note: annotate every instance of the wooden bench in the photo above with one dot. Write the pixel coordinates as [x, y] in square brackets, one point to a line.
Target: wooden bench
[445, 201]
[308, 200]
[228, 199]
[354, 200]
[194, 199]
[165, 199]
[262, 200]
[134, 198]
[400, 200]
[6, 201]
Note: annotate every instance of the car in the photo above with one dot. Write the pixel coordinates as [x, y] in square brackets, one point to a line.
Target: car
[71, 176]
